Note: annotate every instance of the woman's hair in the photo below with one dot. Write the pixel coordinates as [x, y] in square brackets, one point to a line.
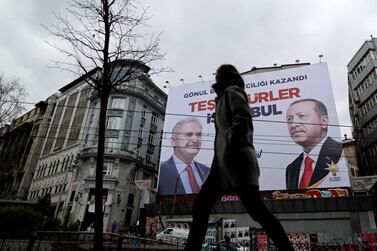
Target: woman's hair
[228, 73]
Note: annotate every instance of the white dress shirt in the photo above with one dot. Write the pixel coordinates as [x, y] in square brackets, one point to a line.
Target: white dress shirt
[181, 166]
[313, 154]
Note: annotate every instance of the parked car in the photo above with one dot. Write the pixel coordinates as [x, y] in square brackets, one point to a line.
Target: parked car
[173, 235]
[223, 246]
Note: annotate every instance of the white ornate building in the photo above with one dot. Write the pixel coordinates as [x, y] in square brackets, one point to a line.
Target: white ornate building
[53, 174]
[133, 137]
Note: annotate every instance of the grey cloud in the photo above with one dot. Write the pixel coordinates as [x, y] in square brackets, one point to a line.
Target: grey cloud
[200, 35]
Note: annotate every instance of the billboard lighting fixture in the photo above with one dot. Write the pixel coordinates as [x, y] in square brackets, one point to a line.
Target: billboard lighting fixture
[320, 58]
[167, 84]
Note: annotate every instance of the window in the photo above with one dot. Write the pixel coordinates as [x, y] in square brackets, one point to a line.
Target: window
[44, 170]
[118, 103]
[128, 124]
[113, 123]
[151, 139]
[130, 201]
[368, 81]
[132, 175]
[64, 164]
[143, 111]
[69, 162]
[50, 170]
[154, 118]
[150, 148]
[67, 119]
[37, 172]
[107, 168]
[127, 220]
[54, 127]
[72, 196]
[111, 144]
[169, 230]
[57, 166]
[148, 159]
[140, 132]
[91, 118]
[78, 116]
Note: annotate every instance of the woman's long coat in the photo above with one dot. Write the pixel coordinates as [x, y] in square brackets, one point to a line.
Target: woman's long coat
[234, 163]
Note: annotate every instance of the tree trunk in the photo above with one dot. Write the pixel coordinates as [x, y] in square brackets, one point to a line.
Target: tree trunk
[98, 222]
[104, 94]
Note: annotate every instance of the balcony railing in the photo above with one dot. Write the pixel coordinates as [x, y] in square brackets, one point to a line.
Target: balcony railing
[108, 150]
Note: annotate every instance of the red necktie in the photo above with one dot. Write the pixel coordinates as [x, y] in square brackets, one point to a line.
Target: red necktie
[308, 172]
[193, 184]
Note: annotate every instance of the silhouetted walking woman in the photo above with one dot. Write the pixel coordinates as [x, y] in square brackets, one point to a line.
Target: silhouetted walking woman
[234, 166]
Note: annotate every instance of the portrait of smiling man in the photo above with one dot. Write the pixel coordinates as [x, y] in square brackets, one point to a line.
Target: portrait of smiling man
[317, 165]
[181, 174]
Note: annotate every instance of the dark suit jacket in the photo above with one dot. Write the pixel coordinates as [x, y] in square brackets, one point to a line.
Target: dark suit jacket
[169, 182]
[330, 152]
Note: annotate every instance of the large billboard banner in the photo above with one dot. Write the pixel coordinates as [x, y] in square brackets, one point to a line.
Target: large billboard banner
[296, 132]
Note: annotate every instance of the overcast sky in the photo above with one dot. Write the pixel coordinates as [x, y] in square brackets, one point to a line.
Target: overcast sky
[199, 35]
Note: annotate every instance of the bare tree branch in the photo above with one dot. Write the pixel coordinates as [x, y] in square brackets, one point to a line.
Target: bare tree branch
[12, 93]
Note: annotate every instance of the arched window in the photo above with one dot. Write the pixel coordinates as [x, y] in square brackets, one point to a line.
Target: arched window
[57, 166]
[63, 164]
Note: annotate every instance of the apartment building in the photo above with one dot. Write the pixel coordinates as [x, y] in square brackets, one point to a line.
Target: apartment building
[362, 91]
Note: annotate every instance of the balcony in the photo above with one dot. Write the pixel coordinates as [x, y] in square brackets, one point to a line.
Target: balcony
[368, 92]
[366, 70]
[110, 152]
[372, 138]
[143, 94]
[111, 133]
[368, 116]
[114, 112]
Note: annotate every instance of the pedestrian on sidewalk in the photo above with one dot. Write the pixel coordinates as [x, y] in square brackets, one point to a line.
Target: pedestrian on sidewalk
[114, 226]
[234, 167]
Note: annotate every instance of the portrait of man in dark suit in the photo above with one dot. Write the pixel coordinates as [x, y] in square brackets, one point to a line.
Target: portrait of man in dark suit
[307, 121]
[181, 174]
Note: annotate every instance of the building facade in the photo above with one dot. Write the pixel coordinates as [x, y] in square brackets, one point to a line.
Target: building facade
[133, 134]
[362, 91]
[61, 143]
[20, 145]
